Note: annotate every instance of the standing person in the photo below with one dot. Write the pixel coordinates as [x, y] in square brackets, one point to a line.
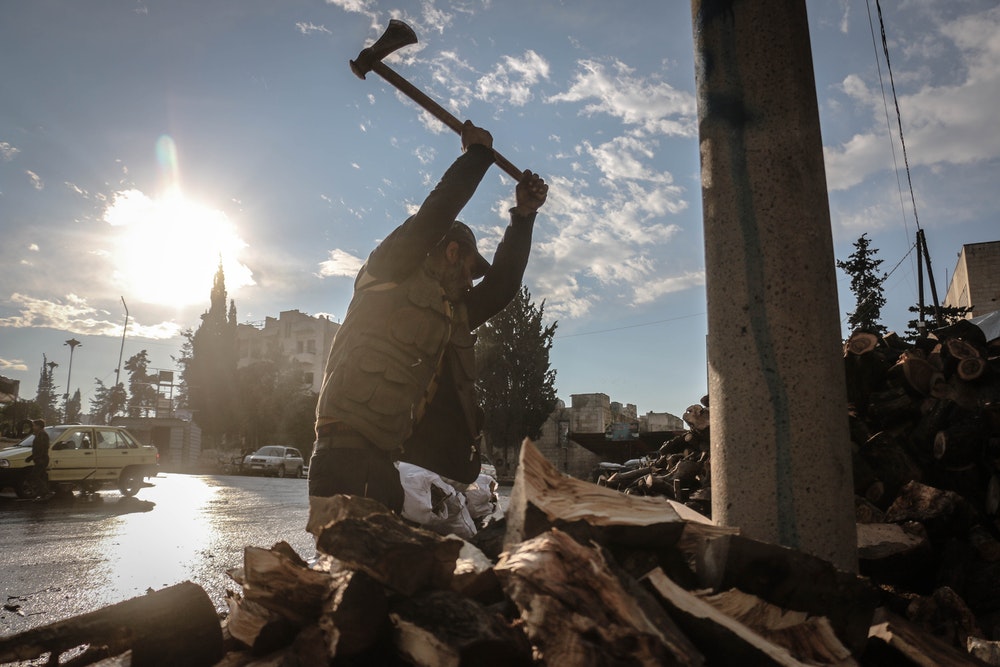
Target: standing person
[399, 381]
[39, 456]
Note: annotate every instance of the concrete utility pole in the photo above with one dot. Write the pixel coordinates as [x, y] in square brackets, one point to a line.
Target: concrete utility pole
[781, 453]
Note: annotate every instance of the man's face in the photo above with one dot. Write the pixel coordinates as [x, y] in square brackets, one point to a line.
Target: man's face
[457, 277]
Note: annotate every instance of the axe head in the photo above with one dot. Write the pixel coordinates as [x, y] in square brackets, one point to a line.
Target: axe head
[396, 36]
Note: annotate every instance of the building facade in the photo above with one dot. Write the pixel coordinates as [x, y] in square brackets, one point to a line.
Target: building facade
[976, 281]
[303, 338]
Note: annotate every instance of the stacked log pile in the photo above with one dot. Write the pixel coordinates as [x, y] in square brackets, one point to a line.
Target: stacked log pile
[584, 575]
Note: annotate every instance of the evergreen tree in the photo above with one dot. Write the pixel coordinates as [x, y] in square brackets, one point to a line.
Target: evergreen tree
[47, 397]
[866, 284]
[183, 362]
[275, 406]
[516, 385]
[73, 408]
[948, 315]
[209, 375]
[142, 390]
[107, 402]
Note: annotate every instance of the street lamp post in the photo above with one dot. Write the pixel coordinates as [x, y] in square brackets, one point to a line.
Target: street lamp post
[73, 343]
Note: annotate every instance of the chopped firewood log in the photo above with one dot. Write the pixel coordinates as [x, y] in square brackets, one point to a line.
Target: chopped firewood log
[959, 444]
[257, 627]
[894, 640]
[891, 406]
[326, 510]
[984, 649]
[402, 557]
[808, 638]
[866, 512]
[724, 640]
[945, 615]
[443, 628]
[790, 579]
[915, 373]
[891, 462]
[697, 417]
[860, 342]
[280, 580]
[941, 512]
[625, 477]
[355, 615]
[894, 553]
[575, 609]
[176, 625]
[543, 498]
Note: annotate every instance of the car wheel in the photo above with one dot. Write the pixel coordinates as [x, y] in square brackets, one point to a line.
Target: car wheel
[27, 488]
[281, 471]
[298, 472]
[129, 483]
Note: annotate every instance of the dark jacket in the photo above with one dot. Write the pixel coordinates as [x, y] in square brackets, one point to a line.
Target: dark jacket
[401, 342]
[40, 449]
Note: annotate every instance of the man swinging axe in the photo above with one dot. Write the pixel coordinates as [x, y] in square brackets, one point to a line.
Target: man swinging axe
[399, 382]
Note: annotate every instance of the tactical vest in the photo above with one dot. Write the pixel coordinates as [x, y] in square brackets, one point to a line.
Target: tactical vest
[386, 357]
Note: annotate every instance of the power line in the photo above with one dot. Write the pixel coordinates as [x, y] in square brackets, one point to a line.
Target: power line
[631, 326]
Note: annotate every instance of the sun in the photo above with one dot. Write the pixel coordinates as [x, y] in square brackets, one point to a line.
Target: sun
[168, 249]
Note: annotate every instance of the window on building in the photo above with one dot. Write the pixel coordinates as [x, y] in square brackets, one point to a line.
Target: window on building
[299, 347]
[311, 346]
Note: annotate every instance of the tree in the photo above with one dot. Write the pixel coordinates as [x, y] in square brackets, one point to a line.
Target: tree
[866, 284]
[209, 375]
[73, 408]
[107, 402]
[948, 315]
[47, 396]
[142, 392]
[516, 385]
[275, 405]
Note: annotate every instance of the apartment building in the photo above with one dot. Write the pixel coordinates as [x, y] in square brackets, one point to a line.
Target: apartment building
[976, 280]
[304, 338]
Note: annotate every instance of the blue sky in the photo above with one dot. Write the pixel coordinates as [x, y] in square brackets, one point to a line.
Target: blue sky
[141, 141]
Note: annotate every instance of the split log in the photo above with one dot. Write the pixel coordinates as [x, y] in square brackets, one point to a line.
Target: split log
[404, 558]
[808, 638]
[792, 580]
[173, 626]
[889, 460]
[942, 513]
[860, 342]
[444, 629]
[893, 553]
[945, 615]
[577, 612]
[543, 498]
[281, 581]
[893, 640]
[723, 639]
[355, 615]
[257, 627]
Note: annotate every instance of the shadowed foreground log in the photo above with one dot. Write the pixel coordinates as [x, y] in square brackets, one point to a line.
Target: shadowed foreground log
[173, 626]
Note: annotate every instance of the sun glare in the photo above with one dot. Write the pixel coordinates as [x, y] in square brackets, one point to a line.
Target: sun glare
[168, 249]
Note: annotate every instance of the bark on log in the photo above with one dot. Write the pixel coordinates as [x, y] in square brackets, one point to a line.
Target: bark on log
[792, 580]
[942, 513]
[173, 626]
[697, 417]
[402, 557]
[543, 498]
[578, 613]
[444, 629]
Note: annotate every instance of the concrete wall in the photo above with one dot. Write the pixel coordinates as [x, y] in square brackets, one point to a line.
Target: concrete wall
[567, 456]
[976, 280]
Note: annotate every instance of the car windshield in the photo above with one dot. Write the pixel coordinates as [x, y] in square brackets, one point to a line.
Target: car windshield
[53, 431]
[269, 451]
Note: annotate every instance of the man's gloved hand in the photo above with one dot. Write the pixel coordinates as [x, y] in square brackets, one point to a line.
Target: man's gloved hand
[531, 193]
[475, 135]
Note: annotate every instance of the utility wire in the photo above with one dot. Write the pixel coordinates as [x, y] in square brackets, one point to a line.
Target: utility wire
[631, 326]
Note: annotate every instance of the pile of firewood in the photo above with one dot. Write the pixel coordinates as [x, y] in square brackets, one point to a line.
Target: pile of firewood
[579, 575]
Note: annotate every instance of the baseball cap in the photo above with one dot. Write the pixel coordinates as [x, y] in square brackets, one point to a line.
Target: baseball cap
[460, 233]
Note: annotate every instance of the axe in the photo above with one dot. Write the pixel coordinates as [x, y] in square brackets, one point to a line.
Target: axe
[396, 36]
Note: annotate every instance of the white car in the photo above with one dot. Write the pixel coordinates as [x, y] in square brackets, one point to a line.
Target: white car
[275, 460]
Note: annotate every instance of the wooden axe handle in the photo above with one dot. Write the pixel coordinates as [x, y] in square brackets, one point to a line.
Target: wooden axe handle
[437, 111]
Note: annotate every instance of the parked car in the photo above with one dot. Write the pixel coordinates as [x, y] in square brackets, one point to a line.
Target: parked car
[84, 457]
[275, 460]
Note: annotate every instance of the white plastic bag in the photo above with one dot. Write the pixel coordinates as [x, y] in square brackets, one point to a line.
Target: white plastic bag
[433, 503]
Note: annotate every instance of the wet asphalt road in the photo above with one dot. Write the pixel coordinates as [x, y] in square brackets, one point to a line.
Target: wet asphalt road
[65, 557]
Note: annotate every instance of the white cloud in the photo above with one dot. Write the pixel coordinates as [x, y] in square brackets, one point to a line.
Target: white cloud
[511, 81]
[7, 152]
[311, 28]
[13, 365]
[36, 180]
[74, 315]
[340, 264]
[952, 124]
[653, 106]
